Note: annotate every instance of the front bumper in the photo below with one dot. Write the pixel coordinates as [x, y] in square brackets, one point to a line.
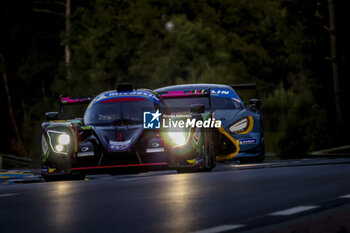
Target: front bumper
[104, 163]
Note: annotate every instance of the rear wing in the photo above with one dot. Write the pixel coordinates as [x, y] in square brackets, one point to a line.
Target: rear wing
[77, 100]
[74, 101]
[246, 86]
[246, 91]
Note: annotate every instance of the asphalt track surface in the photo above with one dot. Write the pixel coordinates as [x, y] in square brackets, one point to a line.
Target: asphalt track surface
[232, 198]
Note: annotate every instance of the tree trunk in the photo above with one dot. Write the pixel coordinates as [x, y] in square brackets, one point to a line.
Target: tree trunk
[67, 47]
[17, 146]
[335, 65]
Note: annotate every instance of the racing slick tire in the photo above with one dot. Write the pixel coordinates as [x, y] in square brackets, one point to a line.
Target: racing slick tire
[210, 157]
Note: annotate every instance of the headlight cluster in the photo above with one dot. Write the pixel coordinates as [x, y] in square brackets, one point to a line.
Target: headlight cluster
[243, 125]
[59, 141]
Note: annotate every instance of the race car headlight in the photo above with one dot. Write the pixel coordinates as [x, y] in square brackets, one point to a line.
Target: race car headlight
[243, 125]
[177, 138]
[64, 139]
[59, 141]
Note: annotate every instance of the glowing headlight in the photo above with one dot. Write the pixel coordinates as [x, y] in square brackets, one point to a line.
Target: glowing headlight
[240, 126]
[59, 148]
[64, 139]
[178, 138]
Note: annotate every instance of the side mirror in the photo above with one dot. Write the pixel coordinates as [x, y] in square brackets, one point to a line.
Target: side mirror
[197, 108]
[51, 116]
[255, 103]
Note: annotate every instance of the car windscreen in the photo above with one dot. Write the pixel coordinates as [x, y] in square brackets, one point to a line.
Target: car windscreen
[184, 104]
[118, 113]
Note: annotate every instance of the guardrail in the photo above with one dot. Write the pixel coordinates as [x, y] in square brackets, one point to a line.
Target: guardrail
[12, 161]
[337, 151]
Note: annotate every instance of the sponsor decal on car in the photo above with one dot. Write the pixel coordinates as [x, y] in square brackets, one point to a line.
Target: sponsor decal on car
[48, 170]
[45, 169]
[155, 150]
[133, 94]
[247, 141]
[220, 92]
[119, 145]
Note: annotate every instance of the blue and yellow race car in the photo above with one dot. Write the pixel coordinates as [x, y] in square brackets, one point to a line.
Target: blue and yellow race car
[242, 132]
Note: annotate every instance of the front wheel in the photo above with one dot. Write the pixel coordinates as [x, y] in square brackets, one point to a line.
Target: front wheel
[209, 153]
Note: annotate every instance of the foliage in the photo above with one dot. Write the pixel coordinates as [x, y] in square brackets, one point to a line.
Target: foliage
[294, 122]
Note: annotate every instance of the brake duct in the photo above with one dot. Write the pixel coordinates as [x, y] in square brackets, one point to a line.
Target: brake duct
[235, 143]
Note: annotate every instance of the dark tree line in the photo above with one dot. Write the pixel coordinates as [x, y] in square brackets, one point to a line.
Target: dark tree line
[282, 45]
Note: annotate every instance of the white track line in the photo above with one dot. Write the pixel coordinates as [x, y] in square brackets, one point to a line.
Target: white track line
[345, 196]
[293, 210]
[8, 195]
[219, 229]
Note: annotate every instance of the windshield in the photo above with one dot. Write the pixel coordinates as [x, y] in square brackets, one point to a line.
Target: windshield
[184, 104]
[118, 113]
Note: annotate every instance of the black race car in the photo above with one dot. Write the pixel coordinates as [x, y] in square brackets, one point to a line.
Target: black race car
[121, 132]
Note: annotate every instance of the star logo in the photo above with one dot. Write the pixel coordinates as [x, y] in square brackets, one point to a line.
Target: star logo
[151, 120]
[156, 115]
